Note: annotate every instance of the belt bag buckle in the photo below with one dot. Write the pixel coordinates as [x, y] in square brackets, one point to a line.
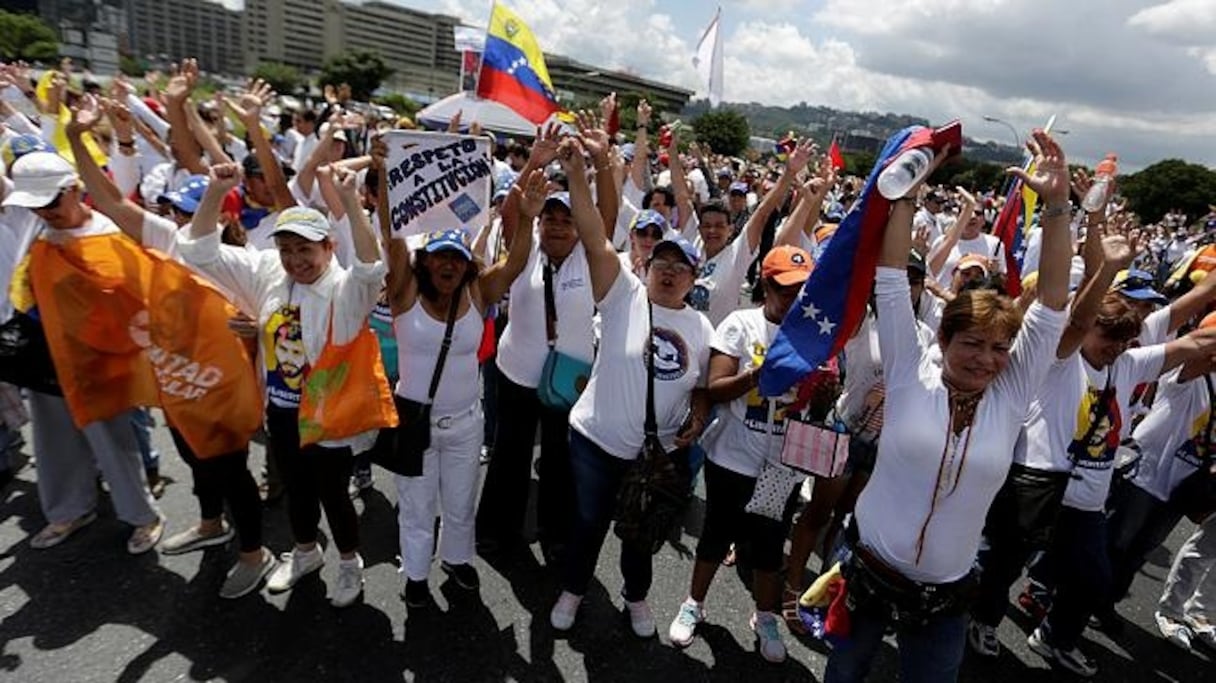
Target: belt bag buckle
[444, 422]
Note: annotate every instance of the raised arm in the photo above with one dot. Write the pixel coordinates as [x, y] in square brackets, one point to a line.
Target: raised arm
[1115, 252]
[1051, 181]
[497, 279]
[185, 148]
[212, 145]
[223, 178]
[105, 194]
[808, 205]
[679, 183]
[602, 260]
[1193, 302]
[318, 156]
[940, 252]
[248, 109]
[639, 170]
[399, 282]
[595, 141]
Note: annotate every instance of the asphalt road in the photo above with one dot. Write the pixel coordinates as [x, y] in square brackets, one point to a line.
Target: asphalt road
[86, 611]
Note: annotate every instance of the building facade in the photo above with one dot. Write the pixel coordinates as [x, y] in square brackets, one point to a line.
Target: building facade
[162, 31]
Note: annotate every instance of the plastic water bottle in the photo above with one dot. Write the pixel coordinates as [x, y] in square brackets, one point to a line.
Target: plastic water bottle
[1099, 192]
[904, 172]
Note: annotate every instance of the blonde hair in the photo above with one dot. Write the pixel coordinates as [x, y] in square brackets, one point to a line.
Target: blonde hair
[983, 308]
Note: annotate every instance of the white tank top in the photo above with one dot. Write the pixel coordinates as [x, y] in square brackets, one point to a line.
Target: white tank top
[419, 338]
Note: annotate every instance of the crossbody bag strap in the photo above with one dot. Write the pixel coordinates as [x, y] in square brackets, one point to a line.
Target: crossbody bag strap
[550, 306]
[447, 344]
[1103, 408]
[652, 425]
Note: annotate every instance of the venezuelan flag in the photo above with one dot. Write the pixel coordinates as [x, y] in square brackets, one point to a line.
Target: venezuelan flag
[513, 68]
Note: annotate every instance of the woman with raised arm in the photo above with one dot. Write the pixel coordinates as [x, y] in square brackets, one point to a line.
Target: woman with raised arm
[439, 296]
[641, 323]
[308, 306]
[948, 437]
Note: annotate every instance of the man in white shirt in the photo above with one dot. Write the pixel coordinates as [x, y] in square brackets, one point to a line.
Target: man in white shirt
[928, 218]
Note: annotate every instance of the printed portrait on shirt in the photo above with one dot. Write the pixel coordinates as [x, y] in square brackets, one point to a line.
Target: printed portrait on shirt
[286, 361]
[1098, 425]
[755, 416]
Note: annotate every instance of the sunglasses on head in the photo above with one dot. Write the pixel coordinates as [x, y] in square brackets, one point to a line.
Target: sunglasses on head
[649, 231]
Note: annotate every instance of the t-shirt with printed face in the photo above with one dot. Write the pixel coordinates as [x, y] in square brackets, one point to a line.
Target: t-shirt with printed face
[286, 360]
[1176, 437]
[1100, 417]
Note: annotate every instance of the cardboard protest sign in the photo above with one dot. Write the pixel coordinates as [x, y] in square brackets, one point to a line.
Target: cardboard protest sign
[437, 181]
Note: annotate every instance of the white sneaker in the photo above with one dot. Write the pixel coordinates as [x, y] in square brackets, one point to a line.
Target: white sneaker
[683, 629]
[563, 613]
[1074, 660]
[1177, 633]
[772, 647]
[641, 619]
[350, 582]
[294, 566]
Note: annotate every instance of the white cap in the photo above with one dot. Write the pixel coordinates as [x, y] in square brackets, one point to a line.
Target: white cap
[39, 177]
[304, 222]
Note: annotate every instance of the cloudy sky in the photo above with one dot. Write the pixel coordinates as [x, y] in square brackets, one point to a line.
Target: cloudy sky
[1136, 77]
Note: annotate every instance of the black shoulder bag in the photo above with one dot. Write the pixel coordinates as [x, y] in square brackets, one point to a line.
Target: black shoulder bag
[1195, 496]
[25, 358]
[656, 489]
[399, 449]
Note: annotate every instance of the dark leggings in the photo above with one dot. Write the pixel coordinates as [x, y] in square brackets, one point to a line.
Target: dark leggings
[226, 478]
[316, 477]
[760, 540]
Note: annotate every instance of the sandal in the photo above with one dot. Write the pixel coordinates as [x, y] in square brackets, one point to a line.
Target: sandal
[789, 612]
[54, 534]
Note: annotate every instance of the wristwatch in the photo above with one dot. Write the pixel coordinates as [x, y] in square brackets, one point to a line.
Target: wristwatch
[1064, 209]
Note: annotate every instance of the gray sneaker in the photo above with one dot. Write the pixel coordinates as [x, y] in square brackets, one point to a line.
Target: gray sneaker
[191, 540]
[243, 579]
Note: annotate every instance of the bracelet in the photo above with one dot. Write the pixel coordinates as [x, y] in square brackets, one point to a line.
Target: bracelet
[641, 126]
[1064, 209]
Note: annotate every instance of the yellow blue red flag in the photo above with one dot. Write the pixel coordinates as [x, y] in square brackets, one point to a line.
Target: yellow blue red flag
[513, 68]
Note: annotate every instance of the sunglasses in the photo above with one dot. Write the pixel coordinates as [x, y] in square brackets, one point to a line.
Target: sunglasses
[670, 267]
[54, 204]
[652, 233]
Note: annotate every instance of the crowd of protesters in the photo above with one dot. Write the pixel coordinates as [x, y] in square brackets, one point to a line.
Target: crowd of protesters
[1063, 431]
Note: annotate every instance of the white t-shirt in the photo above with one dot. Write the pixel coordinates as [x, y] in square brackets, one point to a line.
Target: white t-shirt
[1052, 421]
[1098, 430]
[612, 409]
[982, 244]
[1156, 328]
[927, 219]
[1174, 436]
[716, 291]
[925, 477]
[18, 227]
[524, 344]
[860, 404]
[752, 427]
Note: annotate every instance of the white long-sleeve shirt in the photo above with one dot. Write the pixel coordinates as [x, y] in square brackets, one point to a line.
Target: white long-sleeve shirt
[258, 282]
[900, 498]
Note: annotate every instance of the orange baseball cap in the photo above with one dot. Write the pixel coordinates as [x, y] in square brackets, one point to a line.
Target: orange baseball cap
[1209, 320]
[787, 265]
[973, 261]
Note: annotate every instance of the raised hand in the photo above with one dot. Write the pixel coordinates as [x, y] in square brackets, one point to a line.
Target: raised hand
[344, 181]
[1050, 177]
[593, 136]
[224, 177]
[120, 118]
[248, 108]
[607, 107]
[966, 196]
[801, 155]
[644, 112]
[544, 148]
[531, 193]
[183, 81]
[120, 87]
[454, 123]
[85, 117]
[570, 156]
[379, 151]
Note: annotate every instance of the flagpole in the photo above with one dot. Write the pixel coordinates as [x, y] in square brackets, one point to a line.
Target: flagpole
[481, 63]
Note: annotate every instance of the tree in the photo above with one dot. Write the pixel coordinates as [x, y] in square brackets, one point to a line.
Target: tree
[399, 103]
[726, 132]
[362, 70]
[26, 37]
[283, 78]
[1169, 184]
[132, 66]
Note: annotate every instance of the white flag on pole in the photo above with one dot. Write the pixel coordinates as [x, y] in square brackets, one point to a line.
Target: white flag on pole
[708, 59]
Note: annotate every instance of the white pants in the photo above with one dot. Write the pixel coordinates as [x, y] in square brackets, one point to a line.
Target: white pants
[1192, 577]
[450, 470]
[69, 458]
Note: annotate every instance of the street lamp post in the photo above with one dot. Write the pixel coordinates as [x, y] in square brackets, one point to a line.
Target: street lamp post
[1017, 140]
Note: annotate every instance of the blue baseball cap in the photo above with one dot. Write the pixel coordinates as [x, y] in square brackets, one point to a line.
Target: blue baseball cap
[562, 198]
[647, 218]
[628, 150]
[455, 239]
[738, 188]
[1137, 285]
[21, 145]
[688, 251]
[187, 196]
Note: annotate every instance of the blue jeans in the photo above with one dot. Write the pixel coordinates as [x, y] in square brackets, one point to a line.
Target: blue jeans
[597, 479]
[141, 422]
[928, 654]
